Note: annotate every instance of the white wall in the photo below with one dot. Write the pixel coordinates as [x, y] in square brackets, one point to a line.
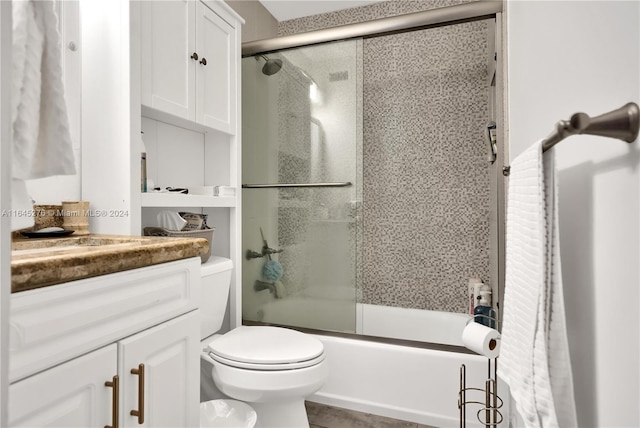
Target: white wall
[566, 57]
[109, 180]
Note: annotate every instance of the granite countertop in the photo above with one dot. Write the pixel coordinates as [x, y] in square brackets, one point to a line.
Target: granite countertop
[41, 262]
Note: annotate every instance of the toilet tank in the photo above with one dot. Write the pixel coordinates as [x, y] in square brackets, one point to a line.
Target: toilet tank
[216, 279]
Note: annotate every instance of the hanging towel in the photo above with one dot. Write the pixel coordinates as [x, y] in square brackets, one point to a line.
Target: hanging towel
[41, 139]
[534, 356]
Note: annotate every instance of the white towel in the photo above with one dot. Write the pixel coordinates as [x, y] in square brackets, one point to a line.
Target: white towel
[534, 357]
[41, 140]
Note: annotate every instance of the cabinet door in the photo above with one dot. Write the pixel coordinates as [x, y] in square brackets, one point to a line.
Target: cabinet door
[169, 355]
[215, 81]
[167, 41]
[72, 394]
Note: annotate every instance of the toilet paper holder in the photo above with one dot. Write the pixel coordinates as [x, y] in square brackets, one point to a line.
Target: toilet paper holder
[492, 402]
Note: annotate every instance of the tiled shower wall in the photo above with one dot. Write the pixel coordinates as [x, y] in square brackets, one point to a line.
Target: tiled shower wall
[425, 208]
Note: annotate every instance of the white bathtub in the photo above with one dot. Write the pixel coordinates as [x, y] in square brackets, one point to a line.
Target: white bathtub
[411, 324]
[403, 382]
[343, 315]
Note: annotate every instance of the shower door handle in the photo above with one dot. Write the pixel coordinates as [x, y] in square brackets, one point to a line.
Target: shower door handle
[285, 185]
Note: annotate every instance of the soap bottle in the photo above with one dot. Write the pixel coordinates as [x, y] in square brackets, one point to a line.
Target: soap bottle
[474, 286]
[484, 313]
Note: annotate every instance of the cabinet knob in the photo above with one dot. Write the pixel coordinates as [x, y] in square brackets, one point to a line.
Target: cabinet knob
[194, 56]
[203, 61]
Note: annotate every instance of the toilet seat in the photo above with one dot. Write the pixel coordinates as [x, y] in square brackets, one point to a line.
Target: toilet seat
[267, 367]
[266, 348]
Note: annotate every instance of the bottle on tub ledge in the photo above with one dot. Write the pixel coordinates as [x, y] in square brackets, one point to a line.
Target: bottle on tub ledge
[484, 313]
[474, 286]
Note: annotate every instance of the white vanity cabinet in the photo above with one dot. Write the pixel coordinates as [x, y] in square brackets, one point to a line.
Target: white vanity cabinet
[187, 64]
[87, 353]
[72, 394]
[158, 379]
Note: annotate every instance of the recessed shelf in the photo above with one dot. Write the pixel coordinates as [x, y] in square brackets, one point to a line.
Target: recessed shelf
[181, 200]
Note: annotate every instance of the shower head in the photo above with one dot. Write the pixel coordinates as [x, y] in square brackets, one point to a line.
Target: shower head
[271, 66]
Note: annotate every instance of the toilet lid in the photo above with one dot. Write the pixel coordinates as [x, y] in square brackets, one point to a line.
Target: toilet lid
[258, 346]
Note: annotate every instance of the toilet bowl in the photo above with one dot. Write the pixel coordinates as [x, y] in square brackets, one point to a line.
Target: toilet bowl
[272, 369]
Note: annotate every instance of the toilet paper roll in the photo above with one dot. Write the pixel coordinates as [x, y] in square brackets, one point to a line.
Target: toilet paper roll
[481, 339]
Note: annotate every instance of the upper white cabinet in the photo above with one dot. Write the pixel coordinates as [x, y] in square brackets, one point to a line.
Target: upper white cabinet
[215, 40]
[188, 66]
[167, 42]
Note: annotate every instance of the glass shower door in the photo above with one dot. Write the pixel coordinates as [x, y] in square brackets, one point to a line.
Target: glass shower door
[300, 196]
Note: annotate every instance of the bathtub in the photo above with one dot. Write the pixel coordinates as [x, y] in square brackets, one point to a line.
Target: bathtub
[400, 381]
[411, 324]
[344, 315]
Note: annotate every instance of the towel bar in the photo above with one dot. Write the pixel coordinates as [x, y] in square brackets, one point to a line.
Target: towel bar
[622, 123]
[286, 185]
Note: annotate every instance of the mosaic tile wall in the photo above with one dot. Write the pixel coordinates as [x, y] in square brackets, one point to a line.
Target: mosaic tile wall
[425, 208]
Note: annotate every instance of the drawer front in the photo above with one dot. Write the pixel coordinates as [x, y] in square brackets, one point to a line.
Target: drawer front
[54, 324]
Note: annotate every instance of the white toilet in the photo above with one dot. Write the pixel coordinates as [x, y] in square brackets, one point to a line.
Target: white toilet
[272, 369]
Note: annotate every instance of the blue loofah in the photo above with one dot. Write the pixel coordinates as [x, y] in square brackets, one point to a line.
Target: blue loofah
[272, 270]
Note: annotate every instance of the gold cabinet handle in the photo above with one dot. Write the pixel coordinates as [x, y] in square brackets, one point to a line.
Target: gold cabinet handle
[115, 384]
[140, 412]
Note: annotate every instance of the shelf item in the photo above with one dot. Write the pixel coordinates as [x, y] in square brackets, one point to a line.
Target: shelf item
[182, 200]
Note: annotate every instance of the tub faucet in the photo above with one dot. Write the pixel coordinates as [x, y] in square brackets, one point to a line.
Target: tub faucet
[262, 285]
[266, 251]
